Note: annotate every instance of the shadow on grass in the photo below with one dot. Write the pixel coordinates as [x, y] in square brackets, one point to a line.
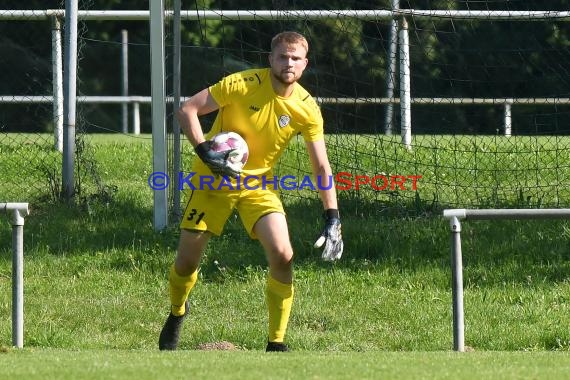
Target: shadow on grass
[62, 229]
[407, 236]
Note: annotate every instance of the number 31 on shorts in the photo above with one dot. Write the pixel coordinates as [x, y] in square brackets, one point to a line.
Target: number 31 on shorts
[194, 216]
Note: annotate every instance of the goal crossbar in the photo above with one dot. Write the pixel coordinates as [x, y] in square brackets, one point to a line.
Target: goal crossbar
[273, 15]
[455, 216]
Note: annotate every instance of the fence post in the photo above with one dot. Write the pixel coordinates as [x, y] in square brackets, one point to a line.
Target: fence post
[125, 79]
[57, 85]
[508, 119]
[136, 118]
[457, 285]
[405, 87]
[391, 72]
[454, 216]
[19, 212]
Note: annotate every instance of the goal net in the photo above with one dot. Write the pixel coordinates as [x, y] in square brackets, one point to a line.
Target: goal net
[465, 104]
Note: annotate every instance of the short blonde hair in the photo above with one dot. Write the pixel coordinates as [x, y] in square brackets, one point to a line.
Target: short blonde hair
[289, 37]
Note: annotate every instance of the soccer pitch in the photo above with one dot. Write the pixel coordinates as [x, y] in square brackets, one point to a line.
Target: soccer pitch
[142, 365]
[96, 294]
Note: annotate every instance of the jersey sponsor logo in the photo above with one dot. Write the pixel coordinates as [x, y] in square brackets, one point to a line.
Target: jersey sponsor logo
[254, 108]
[238, 80]
[284, 120]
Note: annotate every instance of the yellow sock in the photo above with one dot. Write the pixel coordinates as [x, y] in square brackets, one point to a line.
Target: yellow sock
[279, 298]
[180, 288]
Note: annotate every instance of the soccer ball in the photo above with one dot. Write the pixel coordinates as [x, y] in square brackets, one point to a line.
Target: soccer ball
[234, 144]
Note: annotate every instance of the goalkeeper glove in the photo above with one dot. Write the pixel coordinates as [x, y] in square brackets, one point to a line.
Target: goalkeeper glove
[216, 161]
[331, 237]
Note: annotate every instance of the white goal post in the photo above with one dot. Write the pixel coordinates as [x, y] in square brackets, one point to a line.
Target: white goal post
[19, 211]
[455, 216]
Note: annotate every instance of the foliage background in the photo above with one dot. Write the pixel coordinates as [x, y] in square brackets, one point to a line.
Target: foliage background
[348, 59]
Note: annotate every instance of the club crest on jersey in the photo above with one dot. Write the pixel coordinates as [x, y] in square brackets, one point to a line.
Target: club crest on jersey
[284, 120]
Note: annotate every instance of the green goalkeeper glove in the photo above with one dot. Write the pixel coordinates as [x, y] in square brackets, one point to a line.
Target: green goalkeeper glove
[331, 237]
[216, 161]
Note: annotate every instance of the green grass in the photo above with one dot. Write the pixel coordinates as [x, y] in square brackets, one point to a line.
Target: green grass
[96, 291]
[464, 171]
[142, 365]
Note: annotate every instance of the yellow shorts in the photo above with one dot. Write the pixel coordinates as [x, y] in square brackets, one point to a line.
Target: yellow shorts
[208, 209]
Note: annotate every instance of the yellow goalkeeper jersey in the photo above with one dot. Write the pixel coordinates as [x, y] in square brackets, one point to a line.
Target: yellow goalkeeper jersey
[267, 122]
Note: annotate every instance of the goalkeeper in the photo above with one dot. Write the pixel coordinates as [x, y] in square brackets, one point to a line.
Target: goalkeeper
[267, 107]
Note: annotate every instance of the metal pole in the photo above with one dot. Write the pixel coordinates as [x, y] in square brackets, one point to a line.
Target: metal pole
[508, 120]
[17, 280]
[19, 212]
[160, 207]
[280, 15]
[69, 91]
[125, 76]
[454, 216]
[57, 85]
[405, 88]
[136, 118]
[391, 72]
[457, 285]
[176, 159]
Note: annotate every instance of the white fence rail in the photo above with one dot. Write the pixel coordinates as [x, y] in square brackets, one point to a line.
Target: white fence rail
[455, 216]
[135, 101]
